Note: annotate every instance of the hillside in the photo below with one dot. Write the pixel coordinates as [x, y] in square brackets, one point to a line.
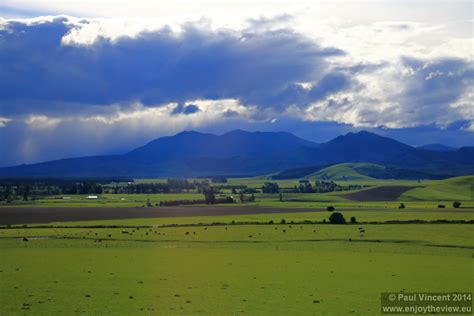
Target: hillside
[458, 188]
[345, 171]
[356, 171]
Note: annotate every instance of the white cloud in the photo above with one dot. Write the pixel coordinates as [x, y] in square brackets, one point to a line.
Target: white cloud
[42, 122]
[470, 127]
[4, 121]
[398, 95]
[143, 119]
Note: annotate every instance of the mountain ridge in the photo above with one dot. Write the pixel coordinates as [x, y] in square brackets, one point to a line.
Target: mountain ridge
[238, 152]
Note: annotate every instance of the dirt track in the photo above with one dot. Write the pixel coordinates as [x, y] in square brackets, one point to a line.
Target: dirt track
[384, 193]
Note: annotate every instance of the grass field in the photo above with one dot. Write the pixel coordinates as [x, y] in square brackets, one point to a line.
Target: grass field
[459, 188]
[221, 270]
[361, 216]
[241, 264]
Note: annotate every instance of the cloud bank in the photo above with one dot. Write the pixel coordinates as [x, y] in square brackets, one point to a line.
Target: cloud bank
[67, 80]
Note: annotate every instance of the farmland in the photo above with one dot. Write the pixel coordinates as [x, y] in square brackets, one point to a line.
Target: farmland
[236, 157]
[267, 257]
[419, 194]
[166, 271]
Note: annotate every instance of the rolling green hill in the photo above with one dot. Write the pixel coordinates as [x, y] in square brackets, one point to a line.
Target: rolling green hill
[458, 188]
[346, 171]
[356, 172]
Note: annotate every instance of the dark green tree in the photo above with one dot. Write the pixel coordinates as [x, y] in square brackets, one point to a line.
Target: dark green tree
[209, 196]
[337, 218]
[26, 191]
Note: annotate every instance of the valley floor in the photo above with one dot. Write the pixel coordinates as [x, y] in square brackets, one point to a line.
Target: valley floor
[114, 256]
[279, 269]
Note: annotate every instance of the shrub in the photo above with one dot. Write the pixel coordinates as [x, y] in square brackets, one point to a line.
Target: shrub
[181, 202]
[401, 205]
[209, 196]
[456, 204]
[270, 222]
[337, 218]
[441, 206]
[330, 208]
[283, 221]
[353, 220]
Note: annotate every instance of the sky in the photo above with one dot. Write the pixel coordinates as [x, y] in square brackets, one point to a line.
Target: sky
[81, 78]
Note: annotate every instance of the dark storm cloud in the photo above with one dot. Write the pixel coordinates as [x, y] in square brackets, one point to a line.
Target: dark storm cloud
[437, 83]
[153, 67]
[185, 109]
[100, 95]
[297, 94]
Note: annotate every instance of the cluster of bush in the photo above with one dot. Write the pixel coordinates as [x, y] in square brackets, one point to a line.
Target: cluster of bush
[27, 192]
[225, 200]
[245, 191]
[456, 204]
[338, 218]
[305, 186]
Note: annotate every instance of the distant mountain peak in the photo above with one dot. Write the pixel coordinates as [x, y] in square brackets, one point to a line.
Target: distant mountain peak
[236, 131]
[191, 133]
[364, 133]
[248, 133]
[194, 145]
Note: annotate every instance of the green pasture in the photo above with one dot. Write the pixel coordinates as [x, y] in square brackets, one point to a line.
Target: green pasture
[220, 270]
[360, 215]
[459, 188]
[346, 171]
[230, 265]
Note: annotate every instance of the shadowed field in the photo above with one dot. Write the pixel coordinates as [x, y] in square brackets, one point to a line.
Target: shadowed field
[382, 193]
[19, 215]
[11, 216]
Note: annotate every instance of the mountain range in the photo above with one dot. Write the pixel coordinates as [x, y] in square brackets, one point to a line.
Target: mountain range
[437, 147]
[241, 153]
